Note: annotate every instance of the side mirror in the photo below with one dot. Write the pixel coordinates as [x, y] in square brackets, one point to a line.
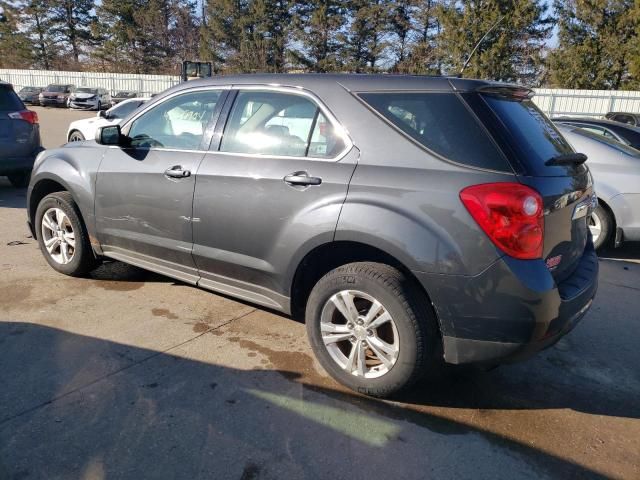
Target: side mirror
[109, 135]
[102, 114]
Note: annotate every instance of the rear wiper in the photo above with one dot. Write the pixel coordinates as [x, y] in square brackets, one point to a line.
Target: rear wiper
[567, 159]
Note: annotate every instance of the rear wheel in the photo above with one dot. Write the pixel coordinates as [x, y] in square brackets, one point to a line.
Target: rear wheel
[601, 226]
[20, 179]
[371, 328]
[76, 136]
[62, 236]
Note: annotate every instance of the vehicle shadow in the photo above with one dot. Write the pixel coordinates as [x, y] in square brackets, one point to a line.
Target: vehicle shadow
[74, 406]
[11, 197]
[628, 251]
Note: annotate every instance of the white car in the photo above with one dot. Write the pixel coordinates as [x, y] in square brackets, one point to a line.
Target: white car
[88, 98]
[86, 128]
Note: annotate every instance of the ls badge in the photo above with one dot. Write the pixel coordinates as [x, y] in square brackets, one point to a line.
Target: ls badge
[553, 262]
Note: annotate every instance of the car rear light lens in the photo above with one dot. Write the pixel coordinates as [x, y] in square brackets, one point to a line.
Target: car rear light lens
[511, 214]
[26, 115]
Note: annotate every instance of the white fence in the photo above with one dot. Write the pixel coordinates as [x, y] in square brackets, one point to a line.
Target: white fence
[586, 103]
[554, 102]
[115, 82]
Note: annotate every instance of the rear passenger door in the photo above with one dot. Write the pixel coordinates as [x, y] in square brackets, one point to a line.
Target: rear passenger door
[269, 190]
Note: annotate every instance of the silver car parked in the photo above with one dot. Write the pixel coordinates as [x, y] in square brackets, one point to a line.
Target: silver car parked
[616, 174]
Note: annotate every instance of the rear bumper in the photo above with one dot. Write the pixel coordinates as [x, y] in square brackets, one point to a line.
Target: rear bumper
[626, 207]
[16, 164]
[511, 310]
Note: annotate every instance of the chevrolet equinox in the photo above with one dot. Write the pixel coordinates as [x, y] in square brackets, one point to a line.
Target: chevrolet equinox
[409, 220]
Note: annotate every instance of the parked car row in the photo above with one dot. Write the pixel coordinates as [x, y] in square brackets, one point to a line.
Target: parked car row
[70, 96]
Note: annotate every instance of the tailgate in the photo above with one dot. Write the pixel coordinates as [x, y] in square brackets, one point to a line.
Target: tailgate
[545, 161]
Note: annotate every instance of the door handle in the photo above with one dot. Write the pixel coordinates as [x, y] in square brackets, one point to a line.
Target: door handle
[302, 178]
[177, 172]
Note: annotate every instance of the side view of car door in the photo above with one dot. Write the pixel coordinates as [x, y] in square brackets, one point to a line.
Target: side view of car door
[270, 188]
[144, 191]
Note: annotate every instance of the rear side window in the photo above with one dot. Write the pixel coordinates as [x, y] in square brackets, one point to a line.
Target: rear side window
[441, 123]
[9, 100]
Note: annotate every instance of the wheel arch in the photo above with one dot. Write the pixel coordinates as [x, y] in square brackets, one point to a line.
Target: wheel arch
[328, 256]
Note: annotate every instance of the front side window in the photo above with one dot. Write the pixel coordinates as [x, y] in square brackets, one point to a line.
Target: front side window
[179, 122]
[280, 124]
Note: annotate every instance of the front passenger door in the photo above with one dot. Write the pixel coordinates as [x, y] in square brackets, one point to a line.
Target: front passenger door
[144, 192]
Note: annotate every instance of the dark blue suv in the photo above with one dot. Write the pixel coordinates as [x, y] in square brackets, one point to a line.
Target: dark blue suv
[19, 137]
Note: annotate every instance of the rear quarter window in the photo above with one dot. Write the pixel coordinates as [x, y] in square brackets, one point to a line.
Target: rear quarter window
[9, 100]
[441, 123]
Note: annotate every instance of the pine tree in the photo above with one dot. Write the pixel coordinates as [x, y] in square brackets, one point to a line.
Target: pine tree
[420, 56]
[318, 25]
[35, 20]
[365, 42]
[15, 50]
[71, 22]
[598, 45]
[513, 51]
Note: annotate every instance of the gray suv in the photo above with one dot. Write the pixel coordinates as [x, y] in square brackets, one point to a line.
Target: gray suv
[408, 220]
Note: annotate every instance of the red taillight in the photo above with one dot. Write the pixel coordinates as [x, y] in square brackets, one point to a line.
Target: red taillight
[511, 214]
[26, 115]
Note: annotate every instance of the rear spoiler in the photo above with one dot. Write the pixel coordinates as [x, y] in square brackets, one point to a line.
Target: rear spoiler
[512, 92]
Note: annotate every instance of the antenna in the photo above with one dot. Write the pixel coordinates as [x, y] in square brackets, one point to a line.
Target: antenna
[478, 44]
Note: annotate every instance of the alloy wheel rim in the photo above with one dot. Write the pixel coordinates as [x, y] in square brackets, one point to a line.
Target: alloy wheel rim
[595, 225]
[359, 334]
[58, 236]
[75, 138]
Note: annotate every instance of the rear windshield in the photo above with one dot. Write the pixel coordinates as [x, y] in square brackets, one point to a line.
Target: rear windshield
[441, 123]
[524, 132]
[9, 100]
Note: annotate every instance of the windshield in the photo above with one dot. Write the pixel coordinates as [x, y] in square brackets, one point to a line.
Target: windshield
[57, 88]
[30, 89]
[122, 110]
[87, 90]
[126, 94]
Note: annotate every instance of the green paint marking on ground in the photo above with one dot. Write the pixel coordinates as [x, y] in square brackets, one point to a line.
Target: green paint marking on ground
[369, 430]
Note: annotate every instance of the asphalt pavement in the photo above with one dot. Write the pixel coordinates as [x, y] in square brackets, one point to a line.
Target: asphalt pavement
[131, 375]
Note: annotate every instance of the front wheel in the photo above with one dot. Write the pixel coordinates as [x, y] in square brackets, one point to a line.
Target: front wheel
[99, 105]
[20, 179]
[62, 237]
[371, 328]
[76, 136]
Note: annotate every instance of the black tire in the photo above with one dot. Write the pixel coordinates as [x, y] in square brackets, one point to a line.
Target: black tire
[76, 136]
[602, 217]
[20, 179]
[417, 330]
[83, 259]
[99, 106]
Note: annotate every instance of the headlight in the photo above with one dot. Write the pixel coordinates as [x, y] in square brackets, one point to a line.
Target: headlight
[93, 97]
